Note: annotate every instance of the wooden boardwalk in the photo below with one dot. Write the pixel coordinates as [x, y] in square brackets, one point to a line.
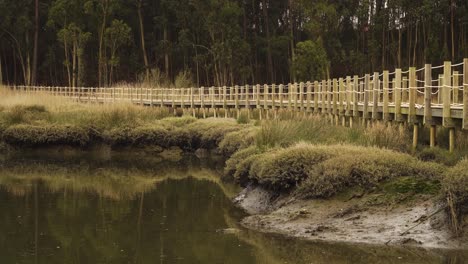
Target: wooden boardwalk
[430, 95]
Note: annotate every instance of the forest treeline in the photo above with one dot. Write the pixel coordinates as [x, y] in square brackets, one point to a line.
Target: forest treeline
[222, 42]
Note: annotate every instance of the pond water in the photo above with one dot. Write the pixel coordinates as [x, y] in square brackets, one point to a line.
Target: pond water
[131, 209]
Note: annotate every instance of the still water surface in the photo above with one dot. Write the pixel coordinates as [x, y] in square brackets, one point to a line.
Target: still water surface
[125, 209]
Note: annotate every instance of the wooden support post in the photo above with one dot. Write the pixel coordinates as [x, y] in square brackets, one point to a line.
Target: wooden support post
[290, 97]
[465, 94]
[412, 119]
[265, 96]
[397, 95]
[446, 113]
[386, 91]
[365, 112]
[451, 139]
[141, 95]
[182, 98]
[415, 135]
[329, 96]
[192, 101]
[432, 136]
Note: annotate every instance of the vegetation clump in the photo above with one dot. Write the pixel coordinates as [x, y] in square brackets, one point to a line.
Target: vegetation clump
[455, 184]
[322, 171]
[32, 136]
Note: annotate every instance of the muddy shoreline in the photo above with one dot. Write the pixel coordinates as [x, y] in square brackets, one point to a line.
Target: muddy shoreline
[422, 222]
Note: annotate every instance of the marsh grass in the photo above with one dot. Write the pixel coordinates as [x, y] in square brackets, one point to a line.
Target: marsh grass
[316, 129]
[455, 185]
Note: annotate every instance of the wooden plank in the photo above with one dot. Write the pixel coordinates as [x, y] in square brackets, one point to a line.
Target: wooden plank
[412, 96]
[446, 113]
[465, 94]
[428, 94]
[386, 90]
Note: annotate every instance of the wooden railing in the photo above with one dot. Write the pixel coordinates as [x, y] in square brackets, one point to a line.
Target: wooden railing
[432, 95]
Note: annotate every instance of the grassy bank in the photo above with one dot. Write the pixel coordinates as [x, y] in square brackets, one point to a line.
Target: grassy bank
[305, 157]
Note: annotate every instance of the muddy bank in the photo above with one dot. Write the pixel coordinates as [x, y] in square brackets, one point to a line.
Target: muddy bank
[419, 220]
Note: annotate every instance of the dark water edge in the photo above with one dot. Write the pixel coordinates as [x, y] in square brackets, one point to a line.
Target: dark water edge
[130, 208]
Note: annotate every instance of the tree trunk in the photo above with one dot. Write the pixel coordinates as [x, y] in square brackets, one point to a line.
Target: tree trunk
[36, 40]
[267, 29]
[142, 36]
[74, 63]
[101, 56]
[166, 53]
[291, 36]
[452, 28]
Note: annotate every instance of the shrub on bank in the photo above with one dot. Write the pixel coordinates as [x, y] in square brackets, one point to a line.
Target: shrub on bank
[237, 140]
[455, 184]
[322, 171]
[29, 135]
[209, 132]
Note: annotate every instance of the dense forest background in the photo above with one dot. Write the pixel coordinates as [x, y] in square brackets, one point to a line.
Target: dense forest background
[222, 42]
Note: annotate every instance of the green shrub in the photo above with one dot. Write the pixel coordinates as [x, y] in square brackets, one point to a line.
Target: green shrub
[438, 155]
[209, 132]
[234, 141]
[365, 168]
[234, 162]
[24, 114]
[28, 135]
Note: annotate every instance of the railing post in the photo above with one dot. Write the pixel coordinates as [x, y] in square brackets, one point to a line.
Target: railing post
[289, 97]
[281, 95]
[308, 96]
[316, 96]
[412, 90]
[446, 115]
[397, 92]
[465, 94]
[386, 90]
[301, 96]
[375, 96]
[455, 87]
[365, 113]
[355, 96]
[348, 96]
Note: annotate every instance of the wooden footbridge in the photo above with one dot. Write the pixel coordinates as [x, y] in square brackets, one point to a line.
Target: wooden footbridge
[432, 95]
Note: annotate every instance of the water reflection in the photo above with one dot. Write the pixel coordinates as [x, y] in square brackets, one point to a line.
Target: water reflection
[124, 210]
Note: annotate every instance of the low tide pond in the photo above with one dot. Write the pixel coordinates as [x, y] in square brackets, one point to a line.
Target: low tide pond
[123, 208]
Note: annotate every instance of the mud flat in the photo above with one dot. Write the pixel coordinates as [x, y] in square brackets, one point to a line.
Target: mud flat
[418, 220]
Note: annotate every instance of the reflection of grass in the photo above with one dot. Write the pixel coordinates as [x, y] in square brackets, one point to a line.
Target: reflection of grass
[113, 183]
